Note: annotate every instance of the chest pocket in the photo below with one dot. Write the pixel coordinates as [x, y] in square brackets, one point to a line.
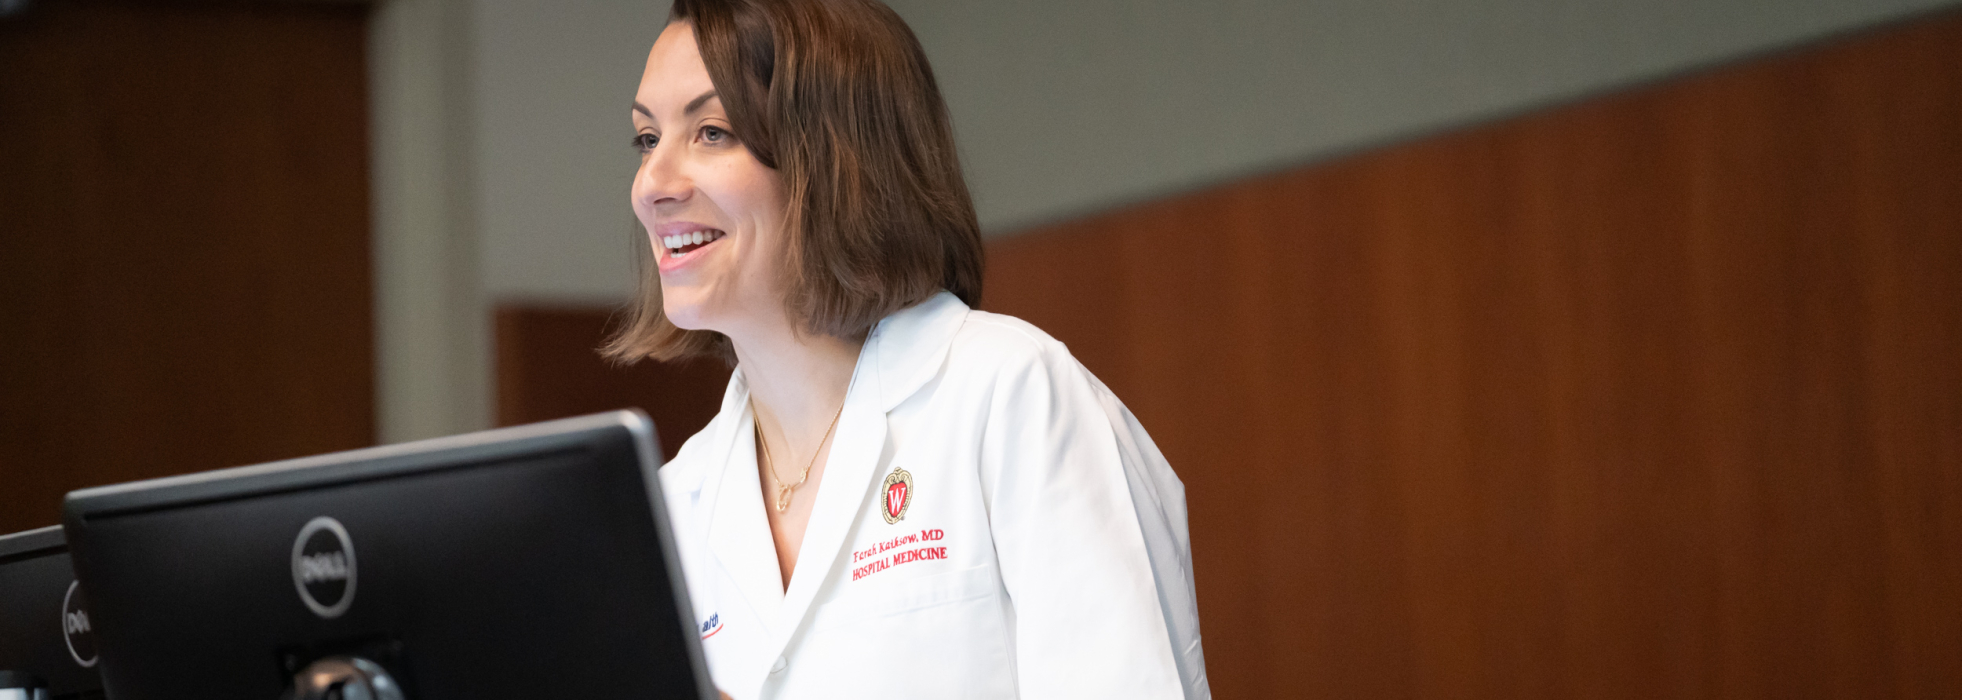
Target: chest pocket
[942, 635]
[878, 599]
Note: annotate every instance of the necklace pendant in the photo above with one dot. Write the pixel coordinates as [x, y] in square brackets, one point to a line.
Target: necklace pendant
[783, 498]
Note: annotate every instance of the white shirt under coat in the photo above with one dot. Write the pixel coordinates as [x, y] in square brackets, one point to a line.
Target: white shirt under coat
[1042, 551]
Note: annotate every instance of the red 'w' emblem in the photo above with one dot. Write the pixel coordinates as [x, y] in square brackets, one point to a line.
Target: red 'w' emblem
[895, 499]
[899, 493]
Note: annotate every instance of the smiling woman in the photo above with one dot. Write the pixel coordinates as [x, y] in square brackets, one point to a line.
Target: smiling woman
[900, 496]
[864, 240]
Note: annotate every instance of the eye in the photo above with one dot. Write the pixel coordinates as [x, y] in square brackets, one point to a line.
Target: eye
[715, 134]
[646, 142]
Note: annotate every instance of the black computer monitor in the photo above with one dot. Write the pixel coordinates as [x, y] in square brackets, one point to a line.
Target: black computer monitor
[46, 647]
[526, 562]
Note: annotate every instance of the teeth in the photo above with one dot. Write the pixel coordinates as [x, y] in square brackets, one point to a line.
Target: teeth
[676, 242]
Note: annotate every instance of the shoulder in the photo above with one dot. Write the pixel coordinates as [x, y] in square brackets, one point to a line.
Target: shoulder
[991, 341]
[1015, 362]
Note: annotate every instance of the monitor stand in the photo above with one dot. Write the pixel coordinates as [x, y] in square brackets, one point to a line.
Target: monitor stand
[15, 685]
[342, 678]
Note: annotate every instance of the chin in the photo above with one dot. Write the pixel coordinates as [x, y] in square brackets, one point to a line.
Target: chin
[680, 312]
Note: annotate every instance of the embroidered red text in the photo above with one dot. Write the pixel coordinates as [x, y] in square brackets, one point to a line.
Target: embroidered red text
[875, 563]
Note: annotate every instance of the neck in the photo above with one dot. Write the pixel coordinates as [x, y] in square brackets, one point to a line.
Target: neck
[797, 382]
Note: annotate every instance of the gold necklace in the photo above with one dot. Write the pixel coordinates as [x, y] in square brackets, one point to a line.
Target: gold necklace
[784, 491]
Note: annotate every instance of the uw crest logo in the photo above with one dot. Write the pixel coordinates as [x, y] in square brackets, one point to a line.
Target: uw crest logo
[899, 495]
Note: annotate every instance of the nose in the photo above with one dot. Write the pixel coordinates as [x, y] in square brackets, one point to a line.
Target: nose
[661, 179]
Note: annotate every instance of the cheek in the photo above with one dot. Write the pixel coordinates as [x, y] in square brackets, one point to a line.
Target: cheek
[763, 206]
[739, 189]
[752, 199]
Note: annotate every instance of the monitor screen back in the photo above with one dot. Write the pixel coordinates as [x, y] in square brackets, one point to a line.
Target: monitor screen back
[533, 572]
[44, 625]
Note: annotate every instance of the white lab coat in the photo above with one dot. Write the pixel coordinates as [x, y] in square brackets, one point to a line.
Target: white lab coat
[1041, 551]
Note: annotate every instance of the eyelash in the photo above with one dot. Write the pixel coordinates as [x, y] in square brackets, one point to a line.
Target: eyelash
[647, 142]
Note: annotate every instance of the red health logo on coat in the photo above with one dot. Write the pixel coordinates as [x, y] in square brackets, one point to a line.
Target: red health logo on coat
[898, 495]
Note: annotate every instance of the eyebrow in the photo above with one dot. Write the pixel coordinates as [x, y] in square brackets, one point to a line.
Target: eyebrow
[693, 104]
[697, 103]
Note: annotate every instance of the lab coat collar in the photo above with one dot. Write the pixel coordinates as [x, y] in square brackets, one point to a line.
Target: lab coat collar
[910, 346]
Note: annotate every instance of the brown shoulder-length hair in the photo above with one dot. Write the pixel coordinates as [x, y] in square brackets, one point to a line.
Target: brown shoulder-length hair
[837, 97]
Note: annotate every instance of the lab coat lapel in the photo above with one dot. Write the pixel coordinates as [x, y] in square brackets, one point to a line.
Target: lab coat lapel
[901, 354]
[738, 532]
[848, 472]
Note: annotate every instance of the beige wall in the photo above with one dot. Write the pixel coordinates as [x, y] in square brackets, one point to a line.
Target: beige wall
[1068, 108]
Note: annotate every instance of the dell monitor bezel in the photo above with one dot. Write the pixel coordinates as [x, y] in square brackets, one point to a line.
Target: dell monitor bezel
[378, 464]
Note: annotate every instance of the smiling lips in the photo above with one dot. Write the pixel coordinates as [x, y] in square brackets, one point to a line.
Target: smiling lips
[684, 243]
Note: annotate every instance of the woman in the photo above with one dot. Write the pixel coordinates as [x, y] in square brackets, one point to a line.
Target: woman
[902, 497]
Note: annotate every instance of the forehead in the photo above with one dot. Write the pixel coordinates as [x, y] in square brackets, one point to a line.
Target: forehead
[675, 73]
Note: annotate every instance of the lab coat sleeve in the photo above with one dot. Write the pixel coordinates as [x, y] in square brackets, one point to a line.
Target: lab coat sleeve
[1089, 619]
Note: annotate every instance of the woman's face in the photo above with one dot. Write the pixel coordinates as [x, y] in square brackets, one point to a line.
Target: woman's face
[713, 213]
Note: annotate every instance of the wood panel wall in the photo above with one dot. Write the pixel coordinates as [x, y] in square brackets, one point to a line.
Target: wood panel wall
[184, 271]
[1654, 396]
[548, 367]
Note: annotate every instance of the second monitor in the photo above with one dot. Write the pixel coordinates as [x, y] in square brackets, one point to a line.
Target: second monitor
[47, 648]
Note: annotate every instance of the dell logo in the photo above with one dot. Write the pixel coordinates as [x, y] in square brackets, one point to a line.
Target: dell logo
[75, 626]
[331, 566]
[323, 567]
